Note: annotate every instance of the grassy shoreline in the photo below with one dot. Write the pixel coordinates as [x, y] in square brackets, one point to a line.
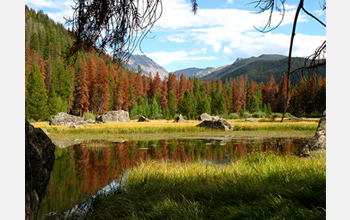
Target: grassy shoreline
[259, 186]
[163, 127]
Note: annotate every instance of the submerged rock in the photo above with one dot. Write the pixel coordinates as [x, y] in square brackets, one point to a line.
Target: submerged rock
[143, 119]
[39, 162]
[317, 142]
[113, 116]
[221, 124]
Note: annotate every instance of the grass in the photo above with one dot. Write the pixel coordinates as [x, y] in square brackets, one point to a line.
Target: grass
[166, 127]
[258, 186]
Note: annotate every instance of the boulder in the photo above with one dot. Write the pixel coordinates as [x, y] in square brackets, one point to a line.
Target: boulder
[221, 124]
[205, 116]
[318, 141]
[112, 116]
[294, 119]
[67, 119]
[250, 119]
[143, 119]
[179, 119]
[39, 162]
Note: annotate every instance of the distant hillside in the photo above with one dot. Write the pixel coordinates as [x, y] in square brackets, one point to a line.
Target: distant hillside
[259, 68]
[197, 72]
[240, 62]
[147, 65]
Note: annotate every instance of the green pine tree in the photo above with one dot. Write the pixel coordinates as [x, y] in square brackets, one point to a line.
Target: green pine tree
[36, 99]
[53, 103]
[172, 104]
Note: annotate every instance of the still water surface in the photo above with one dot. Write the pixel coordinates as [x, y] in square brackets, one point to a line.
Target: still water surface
[83, 169]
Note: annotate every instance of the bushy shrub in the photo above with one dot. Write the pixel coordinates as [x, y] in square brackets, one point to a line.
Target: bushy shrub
[233, 116]
[315, 115]
[289, 115]
[277, 115]
[258, 114]
[246, 114]
[89, 115]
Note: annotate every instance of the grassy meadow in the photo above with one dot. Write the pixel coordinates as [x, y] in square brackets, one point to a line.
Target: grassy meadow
[255, 186]
[137, 130]
[258, 186]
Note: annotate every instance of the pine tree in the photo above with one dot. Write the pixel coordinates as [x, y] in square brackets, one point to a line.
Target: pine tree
[111, 88]
[234, 96]
[154, 109]
[101, 88]
[240, 100]
[164, 97]
[186, 106]
[126, 94]
[272, 93]
[182, 86]
[311, 94]
[255, 104]
[172, 103]
[172, 86]
[282, 93]
[53, 103]
[138, 88]
[81, 90]
[91, 78]
[36, 99]
[157, 85]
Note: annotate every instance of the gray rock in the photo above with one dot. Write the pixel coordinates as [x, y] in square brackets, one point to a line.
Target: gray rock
[179, 119]
[318, 141]
[250, 119]
[205, 116]
[221, 124]
[39, 162]
[294, 119]
[143, 119]
[75, 126]
[67, 119]
[88, 120]
[112, 116]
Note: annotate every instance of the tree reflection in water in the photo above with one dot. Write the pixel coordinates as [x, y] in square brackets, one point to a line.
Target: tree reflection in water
[83, 169]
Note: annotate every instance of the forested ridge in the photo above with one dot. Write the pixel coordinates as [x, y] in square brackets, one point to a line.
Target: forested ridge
[96, 84]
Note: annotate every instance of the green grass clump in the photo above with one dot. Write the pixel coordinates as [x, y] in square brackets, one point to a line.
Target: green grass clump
[259, 186]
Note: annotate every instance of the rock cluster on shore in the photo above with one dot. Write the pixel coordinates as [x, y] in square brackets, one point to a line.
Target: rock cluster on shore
[318, 141]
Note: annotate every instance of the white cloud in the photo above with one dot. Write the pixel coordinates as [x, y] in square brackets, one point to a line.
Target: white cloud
[53, 4]
[269, 43]
[164, 58]
[319, 13]
[289, 7]
[213, 27]
[55, 9]
[229, 2]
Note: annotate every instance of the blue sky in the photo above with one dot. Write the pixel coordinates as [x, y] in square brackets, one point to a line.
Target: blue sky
[220, 32]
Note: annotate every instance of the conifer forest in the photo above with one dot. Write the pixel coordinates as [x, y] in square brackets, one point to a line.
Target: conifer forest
[93, 83]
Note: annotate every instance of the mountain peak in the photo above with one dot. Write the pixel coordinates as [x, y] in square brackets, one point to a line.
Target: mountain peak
[147, 65]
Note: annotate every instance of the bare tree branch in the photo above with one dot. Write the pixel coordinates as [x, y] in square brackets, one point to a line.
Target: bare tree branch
[116, 25]
[272, 6]
[311, 15]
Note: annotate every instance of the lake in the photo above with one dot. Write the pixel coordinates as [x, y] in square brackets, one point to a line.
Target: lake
[86, 167]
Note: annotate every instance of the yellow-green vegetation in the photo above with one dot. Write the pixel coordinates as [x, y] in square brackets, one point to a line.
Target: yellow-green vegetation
[259, 186]
[168, 127]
